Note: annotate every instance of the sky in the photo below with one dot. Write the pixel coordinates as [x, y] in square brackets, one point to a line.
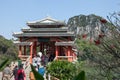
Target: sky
[15, 13]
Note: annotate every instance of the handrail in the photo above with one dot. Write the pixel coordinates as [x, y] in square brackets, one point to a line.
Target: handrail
[13, 64]
[26, 63]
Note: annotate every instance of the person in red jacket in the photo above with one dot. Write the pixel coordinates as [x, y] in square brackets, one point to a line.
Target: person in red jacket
[21, 73]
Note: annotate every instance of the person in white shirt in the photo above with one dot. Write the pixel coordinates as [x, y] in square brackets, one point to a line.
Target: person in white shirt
[34, 60]
[38, 61]
[6, 73]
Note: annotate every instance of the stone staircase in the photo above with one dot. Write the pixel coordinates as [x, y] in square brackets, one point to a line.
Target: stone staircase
[27, 72]
[26, 66]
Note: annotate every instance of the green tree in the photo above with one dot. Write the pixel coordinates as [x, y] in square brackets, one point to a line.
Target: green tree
[105, 55]
[7, 50]
[109, 49]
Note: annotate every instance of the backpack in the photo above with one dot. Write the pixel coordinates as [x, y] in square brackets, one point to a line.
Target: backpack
[15, 71]
[20, 74]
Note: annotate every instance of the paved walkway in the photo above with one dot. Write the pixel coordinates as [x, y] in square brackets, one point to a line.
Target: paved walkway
[0, 75]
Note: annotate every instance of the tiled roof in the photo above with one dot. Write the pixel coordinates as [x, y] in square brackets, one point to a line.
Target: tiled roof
[46, 21]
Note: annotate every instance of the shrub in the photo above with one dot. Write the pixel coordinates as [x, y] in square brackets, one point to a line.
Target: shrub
[63, 70]
[80, 76]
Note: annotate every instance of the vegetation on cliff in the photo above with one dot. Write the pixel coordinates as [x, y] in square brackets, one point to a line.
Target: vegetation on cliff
[7, 49]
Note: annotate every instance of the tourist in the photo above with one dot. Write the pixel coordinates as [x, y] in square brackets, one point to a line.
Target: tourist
[31, 76]
[43, 59]
[51, 58]
[15, 72]
[34, 60]
[38, 61]
[46, 59]
[41, 70]
[6, 73]
[21, 73]
[40, 54]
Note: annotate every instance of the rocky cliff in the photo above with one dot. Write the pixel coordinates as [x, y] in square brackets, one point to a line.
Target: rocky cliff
[88, 26]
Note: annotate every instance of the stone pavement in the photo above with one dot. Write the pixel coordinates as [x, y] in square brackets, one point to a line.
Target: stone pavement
[27, 72]
[0, 75]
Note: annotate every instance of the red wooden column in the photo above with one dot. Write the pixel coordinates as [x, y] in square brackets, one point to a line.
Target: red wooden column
[69, 53]
[24, 50]
[20, 51]
[56, 52]
[31, 52]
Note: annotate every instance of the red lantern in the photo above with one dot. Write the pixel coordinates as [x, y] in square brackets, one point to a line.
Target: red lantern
[103, 20]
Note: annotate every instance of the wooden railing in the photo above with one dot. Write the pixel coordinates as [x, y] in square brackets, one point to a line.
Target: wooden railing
[63, 57]
[24, 57]
[27, 62]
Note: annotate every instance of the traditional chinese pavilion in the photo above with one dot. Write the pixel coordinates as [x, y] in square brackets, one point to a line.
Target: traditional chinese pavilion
[48, 36]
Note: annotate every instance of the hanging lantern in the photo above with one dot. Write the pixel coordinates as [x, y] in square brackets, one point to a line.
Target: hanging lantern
[103, 20]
